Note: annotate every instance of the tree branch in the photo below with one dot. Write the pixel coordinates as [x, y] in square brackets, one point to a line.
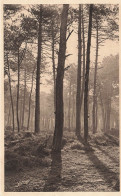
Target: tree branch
[69, 35]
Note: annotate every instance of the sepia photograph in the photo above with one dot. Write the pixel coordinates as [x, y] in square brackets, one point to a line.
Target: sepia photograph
[61, 97]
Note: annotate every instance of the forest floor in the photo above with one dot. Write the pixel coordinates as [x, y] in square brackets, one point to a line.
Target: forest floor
[30, 166]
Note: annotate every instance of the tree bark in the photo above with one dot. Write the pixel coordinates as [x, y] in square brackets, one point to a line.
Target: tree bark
[108, 112]
[83, 82]
[17, 104]
[87, 76]
[29, 112]
[65, 118]
[78, 94]
[11, 97]
[21, 110]
[24, 98]
[58, 133]
[53, 61]
[73, 108]
[102, 109]
[69, 106]
[37, 99]
[8, 116]
[95, 81]
[96, 116]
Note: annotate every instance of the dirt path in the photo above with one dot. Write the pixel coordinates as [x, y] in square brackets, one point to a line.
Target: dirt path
[96, 169]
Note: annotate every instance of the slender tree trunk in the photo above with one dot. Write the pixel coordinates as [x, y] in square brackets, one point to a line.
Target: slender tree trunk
[96, 116]
[37, 103]
[73, 108]
[8, 116]
[31, 124]
[102, 109]
[104, 121]
[108, 111]
[24, 98]
[87, 76]
[10, 120]
[69, 106]
[29, 112]
[78, 95]
[65, 118]
[17, 104]
[95, 83]
[58, 133]
[53, 61]
[83, 82]
[11, 97]
[21, 107]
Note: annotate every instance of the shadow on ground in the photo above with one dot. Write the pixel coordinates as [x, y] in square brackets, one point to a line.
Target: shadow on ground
[54, 177]
[109, 176]
[107, 154]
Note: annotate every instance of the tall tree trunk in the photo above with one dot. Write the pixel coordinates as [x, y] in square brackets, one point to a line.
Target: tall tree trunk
[108, 112]
[17, 104]
[11, 97]
[8, 115]
[10, 119]
[37, 103]
[78, 95]
[21, 110]
[24, 97]
[73, 108]
[53, 61]
[29, 112]
[87, 76]
[58, 133]
[32, 118]
[83, 82]
[96, 116]
[65, 118]
[69, 106]
[102, 109]
[95, 83]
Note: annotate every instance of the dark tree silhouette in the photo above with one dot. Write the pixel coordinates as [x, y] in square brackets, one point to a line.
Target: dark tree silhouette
[58, 133]
[87, 75]
[78, 95]
[37, 102]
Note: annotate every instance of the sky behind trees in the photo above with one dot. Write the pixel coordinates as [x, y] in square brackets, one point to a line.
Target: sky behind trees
[109, 48]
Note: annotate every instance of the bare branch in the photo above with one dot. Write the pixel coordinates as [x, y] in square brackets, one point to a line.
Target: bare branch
[69, 35]
[68, 55]
[66, 68]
